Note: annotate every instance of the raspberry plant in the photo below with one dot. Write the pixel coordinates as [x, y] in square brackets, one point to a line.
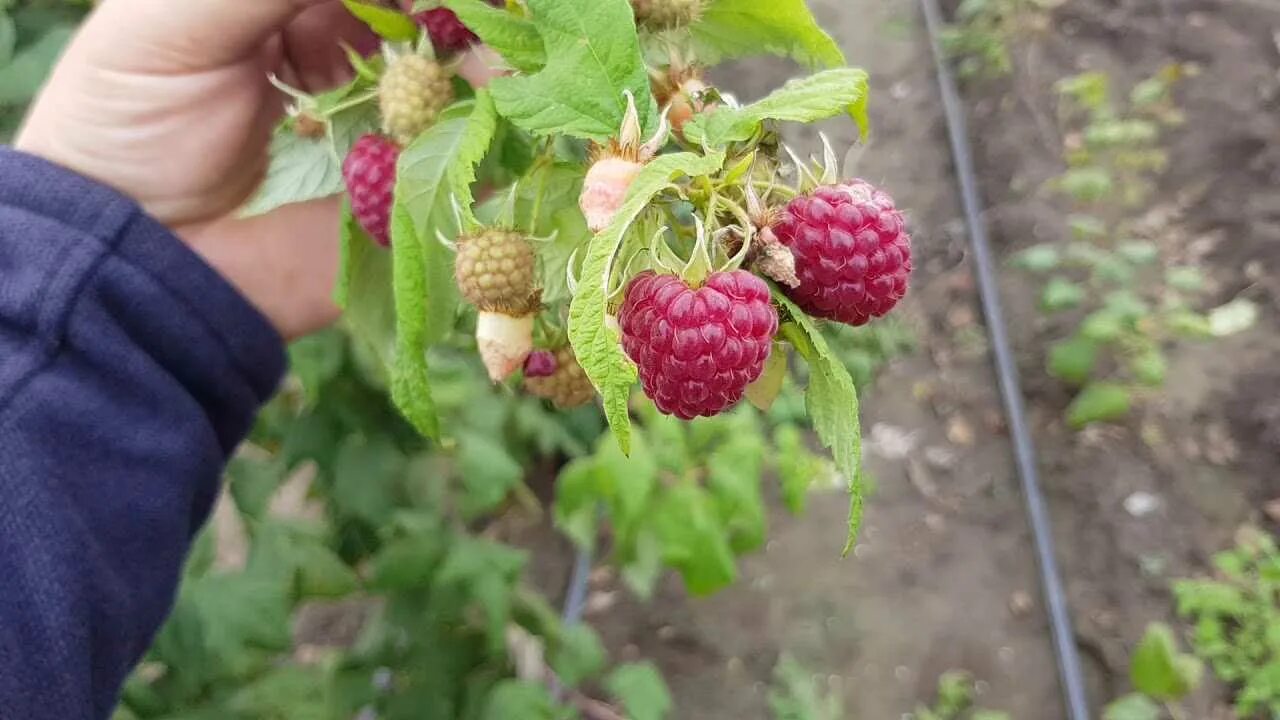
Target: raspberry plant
[1235, 618]
[1127, 297]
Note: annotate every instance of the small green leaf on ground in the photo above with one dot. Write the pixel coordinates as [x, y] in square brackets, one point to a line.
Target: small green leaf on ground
[1134, 706]
[1061, 294]
[1038, 258]
[1158, 670]
[1099, 402]
[641, 690]
[1072, 360]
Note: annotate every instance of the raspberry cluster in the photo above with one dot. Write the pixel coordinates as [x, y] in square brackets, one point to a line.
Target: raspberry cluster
[697, 349]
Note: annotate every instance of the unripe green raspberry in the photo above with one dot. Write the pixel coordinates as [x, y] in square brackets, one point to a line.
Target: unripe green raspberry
[567, 387]
[414, 91]
[497, 272]
[667, 14]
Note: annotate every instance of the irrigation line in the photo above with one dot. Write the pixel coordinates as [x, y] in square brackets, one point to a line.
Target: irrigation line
[1068, 657]
[575, 602]
[576, 595]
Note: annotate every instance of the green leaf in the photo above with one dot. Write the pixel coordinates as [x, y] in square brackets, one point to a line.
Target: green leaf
[224, 625]
[303, 169]
[297, 556]
[8, 38]
[1098, 402]
[738, 28]
[805, 100]
[694, 542]
[1234, 317]
[317, 359]
[547, 204]
[390, 24]
[1086, 184]
[364, 290]
[488, 473]
[1038, 258]
[576, 506]
[25, 74]
[367, 474]
[596, 345]
[1061, 294]
[288, 692]
[434, 172]
[628, 481]
[515, 38]
[1149, 367]
[1102, 326]
[1139, 252]
[641, 690]
[1158, 670]
[1185, 278]
[578, 655]
[593, 56]
[516, 700]
[1133, 706]
[1187, 324]
[797, 467]
[734, 468]
[407, 563]
[252, 482]
[832, 401]
[1073, 360]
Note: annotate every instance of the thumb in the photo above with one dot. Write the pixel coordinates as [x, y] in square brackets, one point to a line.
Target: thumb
[195, 33]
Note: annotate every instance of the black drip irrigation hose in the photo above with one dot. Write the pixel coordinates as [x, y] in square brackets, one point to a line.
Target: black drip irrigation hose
[1068, 657]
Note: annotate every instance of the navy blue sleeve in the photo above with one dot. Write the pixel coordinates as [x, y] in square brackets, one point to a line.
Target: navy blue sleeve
[129, 371]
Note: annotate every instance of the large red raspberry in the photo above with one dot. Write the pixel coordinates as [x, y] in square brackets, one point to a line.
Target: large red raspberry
[697, 350]
[370, 174]
[447, 32]
[853, 256]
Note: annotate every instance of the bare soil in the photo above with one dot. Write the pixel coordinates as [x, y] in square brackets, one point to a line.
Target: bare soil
[944, 576]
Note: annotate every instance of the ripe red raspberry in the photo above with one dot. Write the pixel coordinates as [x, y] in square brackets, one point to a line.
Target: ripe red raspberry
[447, 32]
[566, 386]
[370, 175]
[697, 349]
[853, 256]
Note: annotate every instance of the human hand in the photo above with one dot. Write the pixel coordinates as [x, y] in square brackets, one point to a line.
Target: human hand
[170, 104]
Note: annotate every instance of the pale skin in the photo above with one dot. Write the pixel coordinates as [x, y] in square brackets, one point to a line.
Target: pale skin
[169, 103]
